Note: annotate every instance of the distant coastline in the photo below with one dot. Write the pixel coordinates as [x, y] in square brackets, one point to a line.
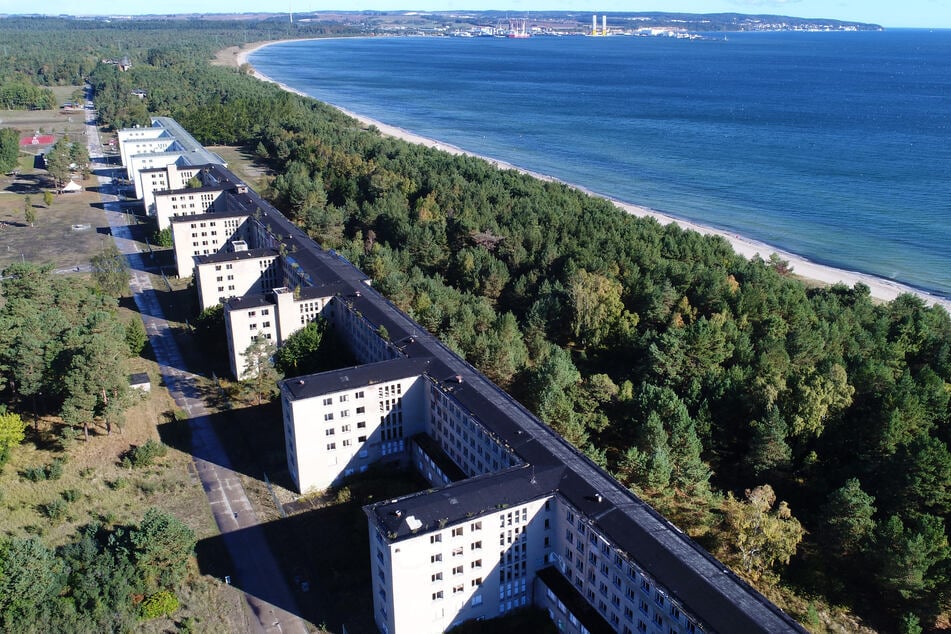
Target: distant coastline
[880, 288]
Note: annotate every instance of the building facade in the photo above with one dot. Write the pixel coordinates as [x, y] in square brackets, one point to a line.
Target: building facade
[515, 515]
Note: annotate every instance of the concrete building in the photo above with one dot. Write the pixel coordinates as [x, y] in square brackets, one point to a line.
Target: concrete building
[515, 515]
[147, 153]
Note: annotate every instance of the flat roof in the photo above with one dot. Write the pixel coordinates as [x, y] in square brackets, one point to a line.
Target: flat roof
[235, 256]
[311, 385]
[463, 501]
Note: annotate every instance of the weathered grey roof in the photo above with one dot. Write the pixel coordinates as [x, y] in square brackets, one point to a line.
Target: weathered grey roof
[235, 256]
[311, 385]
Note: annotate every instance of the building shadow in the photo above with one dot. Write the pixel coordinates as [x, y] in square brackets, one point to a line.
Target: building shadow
[323, 553]
[252, 437]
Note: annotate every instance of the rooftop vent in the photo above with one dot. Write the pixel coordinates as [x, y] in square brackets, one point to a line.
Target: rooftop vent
[598, 498]
[300, 381]
[413, 523]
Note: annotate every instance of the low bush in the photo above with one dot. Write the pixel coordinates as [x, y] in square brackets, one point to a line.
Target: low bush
[162, 603]
[55, 510]
[143, 455]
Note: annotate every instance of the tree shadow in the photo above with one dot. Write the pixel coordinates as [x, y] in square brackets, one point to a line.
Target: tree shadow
[29, 184]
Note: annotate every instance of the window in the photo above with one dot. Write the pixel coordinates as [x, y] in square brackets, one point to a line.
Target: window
[345, 413]
[457, 532]
[476, 582]
[458, 570]
[437, 576]
[344, 429]
[476, 599]
[329, 431]
[476, 564]
[435, 558]
[328, 401]
[475, 526]
[331, 446]
[476, 545]
[343, 398]
[435, 539]
[329, 416]
[346, 442]
[458, 588]
[361, 410]
[457, 552]
[437, 595]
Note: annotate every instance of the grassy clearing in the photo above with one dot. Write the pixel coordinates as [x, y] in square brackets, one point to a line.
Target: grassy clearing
[244, 165]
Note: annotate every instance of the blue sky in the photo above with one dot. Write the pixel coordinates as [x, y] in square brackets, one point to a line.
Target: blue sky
[889, 13]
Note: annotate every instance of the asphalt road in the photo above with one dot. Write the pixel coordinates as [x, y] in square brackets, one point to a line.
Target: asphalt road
[256, 572]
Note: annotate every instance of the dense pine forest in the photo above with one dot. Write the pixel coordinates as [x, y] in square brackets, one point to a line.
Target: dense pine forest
[801, 434]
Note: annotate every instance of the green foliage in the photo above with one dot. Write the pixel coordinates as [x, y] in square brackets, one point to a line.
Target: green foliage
[848, 519]
[29, 576]
[21, 95]
[135, 336]
[110, 269]
[12, 429]
[163, 603]
[763, 536]
[163, 238]
[260, 375]
[163, 546]
[209, 329]
[58, 161]
[51, 471]
[54, 510]
[9, 149]
[144, 455]
[297, 355]
[912, 557]
[48, 198]
[62, 341]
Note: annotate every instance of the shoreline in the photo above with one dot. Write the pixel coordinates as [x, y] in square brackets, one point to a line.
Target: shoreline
[801, 267]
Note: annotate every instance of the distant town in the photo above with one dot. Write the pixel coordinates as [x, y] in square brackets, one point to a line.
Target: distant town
[534, 24]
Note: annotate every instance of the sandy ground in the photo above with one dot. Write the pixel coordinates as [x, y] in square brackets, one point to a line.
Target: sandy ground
[880, 288]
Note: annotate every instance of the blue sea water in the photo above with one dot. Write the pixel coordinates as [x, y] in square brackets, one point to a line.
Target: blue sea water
[833, 146]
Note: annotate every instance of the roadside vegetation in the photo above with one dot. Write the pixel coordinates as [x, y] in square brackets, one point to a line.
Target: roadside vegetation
[801, 434]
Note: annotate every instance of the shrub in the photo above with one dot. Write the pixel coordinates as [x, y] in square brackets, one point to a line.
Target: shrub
[162, 603]
[54, 470]
[55, 510]
[70, 495]
[34, 474]
[51, 471]
[144, 455]
[147, 487]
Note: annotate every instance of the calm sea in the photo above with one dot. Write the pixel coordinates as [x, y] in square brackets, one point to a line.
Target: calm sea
[834, 146]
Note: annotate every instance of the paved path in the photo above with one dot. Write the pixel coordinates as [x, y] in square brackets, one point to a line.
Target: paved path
[255, 570]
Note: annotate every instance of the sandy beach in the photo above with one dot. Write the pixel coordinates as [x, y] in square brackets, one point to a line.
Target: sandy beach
[881, 288]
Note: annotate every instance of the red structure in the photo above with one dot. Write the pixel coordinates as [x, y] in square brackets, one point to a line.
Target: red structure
[37, 139]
